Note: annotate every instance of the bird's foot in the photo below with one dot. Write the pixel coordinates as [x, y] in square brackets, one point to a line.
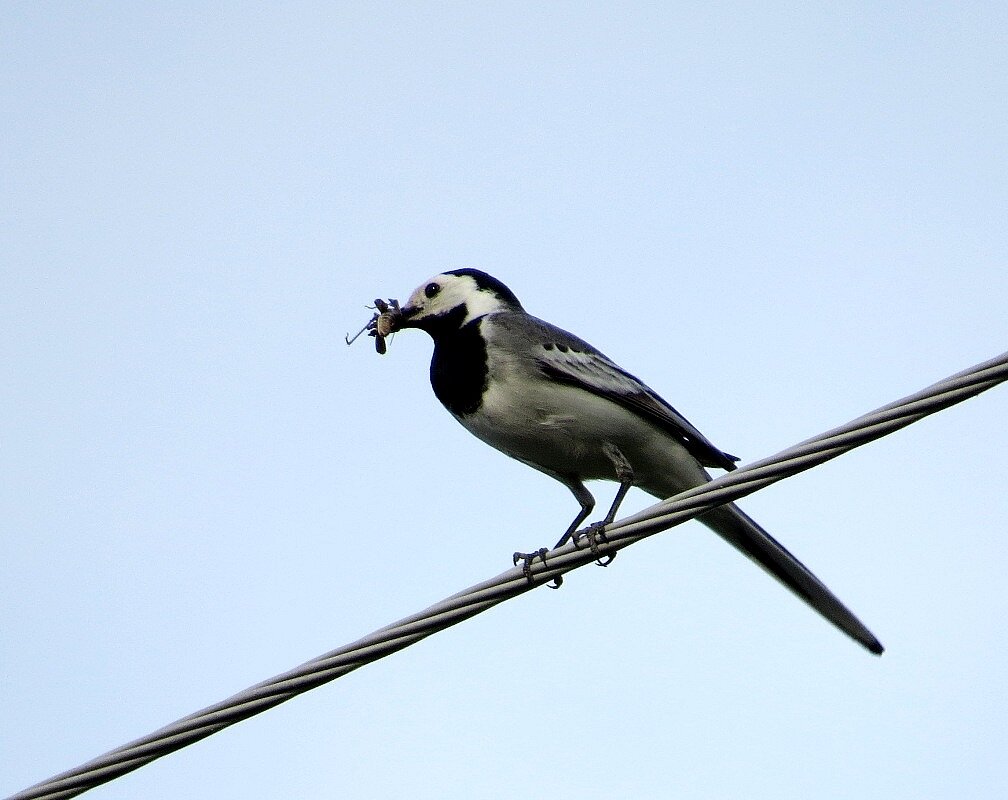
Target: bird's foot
[528, 558]
[595, 534]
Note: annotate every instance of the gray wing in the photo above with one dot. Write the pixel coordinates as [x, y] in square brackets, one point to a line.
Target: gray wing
[565, 358]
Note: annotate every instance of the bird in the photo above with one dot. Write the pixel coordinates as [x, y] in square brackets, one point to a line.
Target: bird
[550, 400]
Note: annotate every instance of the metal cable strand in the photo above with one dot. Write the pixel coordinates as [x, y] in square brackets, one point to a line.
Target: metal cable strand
[512, 583]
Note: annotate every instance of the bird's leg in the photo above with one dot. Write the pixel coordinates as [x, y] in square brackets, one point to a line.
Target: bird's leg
[625, 475]
[584, 497]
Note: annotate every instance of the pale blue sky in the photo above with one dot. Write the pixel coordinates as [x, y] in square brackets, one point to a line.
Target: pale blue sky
[779, 215]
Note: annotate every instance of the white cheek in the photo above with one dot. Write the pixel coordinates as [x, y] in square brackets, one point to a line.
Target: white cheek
[480, 303]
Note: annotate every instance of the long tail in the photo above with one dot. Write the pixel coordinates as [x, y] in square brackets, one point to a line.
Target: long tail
[735, 527]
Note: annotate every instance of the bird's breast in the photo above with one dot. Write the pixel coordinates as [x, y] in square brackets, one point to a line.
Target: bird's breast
[563, 430]
[555, 428]
[459, 371]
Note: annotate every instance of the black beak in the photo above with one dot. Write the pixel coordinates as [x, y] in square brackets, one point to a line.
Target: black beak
[406, 313]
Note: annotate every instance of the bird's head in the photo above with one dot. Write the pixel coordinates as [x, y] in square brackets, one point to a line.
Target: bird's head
[453, 299]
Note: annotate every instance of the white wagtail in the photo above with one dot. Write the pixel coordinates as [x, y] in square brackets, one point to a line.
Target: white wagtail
[552, 401]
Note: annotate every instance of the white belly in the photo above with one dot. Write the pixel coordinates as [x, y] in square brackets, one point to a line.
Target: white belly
[561, 430]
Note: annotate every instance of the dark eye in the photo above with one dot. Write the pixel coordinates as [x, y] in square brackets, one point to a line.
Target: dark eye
[431, 289]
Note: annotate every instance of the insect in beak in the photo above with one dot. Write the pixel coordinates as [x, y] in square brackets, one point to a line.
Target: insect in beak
[385, 321]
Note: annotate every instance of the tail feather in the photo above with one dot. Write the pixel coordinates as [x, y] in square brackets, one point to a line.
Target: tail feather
[735, 527]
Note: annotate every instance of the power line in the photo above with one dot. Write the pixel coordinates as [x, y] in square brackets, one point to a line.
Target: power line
[479, 598]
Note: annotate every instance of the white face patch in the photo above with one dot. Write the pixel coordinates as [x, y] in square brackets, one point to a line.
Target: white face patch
[451, 292]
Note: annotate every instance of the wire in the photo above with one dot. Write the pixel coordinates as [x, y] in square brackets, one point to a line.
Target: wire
[479, 598]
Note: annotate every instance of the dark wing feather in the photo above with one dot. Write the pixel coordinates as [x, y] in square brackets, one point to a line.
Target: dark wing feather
[567, 359]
